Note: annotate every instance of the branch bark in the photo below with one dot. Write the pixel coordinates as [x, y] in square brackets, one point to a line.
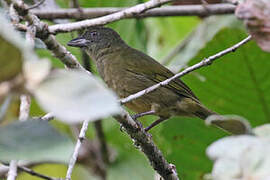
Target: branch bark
[184, 10]
[144, 141]
[126, 13]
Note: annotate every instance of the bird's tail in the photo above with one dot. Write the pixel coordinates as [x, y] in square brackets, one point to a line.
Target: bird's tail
[230, 126]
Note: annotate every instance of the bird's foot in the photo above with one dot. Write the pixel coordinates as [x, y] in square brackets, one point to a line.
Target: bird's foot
[136, 116]
[161, 119]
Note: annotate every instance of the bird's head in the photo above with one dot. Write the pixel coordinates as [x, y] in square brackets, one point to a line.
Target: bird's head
[95, 39]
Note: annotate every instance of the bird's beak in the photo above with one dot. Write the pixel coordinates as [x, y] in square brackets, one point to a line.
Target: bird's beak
[78, 42]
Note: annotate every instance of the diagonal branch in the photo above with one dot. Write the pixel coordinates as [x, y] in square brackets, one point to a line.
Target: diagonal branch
[31, 172]
[184, 10]
[126, 13]
[204, 62]
[144, 141]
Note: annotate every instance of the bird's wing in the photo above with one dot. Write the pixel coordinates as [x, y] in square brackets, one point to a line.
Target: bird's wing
[143, 64]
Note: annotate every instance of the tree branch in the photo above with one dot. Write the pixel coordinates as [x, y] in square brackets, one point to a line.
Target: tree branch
[184, 10]
[126, 13]
[204, 62]
[42, 32]
[12, 172]
[144, 141]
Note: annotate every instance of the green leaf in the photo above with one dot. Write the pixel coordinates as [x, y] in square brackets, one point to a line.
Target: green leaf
[35, 141]
[200, 36]
[74, 96]
[234, 84]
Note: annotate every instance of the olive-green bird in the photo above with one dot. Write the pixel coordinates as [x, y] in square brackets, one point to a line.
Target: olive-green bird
[127, 71]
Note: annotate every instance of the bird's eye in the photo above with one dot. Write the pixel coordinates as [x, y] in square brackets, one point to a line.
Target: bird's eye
[94, 33]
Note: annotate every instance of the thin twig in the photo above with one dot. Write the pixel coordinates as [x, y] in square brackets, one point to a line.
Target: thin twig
[184, 10]
[47, 117]
[12, 173]
[126, 13]
[75, 154]
[89, 155]
[34, 173]
[5, 166]
[204, 62]
[24, 107]
[36, 5]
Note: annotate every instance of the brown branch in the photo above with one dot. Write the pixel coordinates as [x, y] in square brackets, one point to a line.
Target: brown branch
[204, 62]
[184, 10]
[126, 13]
[144, 141]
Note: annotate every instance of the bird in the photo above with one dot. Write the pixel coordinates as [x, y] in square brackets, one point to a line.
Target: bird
[127, 71]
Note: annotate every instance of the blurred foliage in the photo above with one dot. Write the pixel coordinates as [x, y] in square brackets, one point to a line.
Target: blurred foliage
[35, 141]
[228, 86]
[248, 157]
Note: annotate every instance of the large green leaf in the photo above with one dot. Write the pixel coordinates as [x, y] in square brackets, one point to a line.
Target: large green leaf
[35, 141]
[234, 84]
[198, 39]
